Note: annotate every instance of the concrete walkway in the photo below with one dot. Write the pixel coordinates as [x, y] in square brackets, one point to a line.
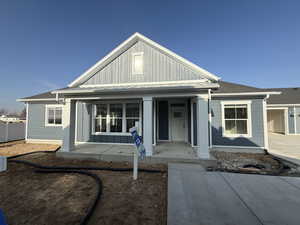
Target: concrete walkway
[285, 146]
[197, 197]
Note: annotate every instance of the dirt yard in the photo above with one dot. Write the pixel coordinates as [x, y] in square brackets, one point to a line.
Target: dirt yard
[20, 147]
[31, 198]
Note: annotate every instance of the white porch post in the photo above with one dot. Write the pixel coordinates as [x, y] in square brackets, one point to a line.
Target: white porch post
[147, 124]
[68, 121]
[202, 127]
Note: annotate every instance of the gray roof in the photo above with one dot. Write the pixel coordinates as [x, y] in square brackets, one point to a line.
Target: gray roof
[287, 96]
[228, 87]
[44, 95]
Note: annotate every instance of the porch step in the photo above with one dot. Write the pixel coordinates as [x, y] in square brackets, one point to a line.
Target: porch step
[129, 158]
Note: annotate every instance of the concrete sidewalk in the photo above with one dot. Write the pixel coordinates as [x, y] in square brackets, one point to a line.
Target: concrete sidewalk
[197, 197]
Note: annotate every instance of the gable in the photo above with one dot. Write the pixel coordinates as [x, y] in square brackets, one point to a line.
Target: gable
[160, 65]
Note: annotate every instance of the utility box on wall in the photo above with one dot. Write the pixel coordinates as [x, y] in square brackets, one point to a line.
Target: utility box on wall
[3, 163]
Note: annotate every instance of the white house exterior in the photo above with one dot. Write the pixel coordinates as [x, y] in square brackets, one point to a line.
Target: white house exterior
[140, 83]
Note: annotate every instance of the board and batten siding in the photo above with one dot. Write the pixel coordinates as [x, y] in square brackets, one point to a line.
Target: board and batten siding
[84, 128]
[157, 67]
[36, 124]
[257, 139]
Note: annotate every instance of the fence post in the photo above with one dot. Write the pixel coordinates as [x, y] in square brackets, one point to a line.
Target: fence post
[6, 134]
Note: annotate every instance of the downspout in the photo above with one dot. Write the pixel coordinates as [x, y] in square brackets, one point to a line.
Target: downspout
[209, 118]
[266, 140]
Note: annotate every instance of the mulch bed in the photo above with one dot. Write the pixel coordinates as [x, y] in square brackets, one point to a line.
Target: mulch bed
[27, 197]
[235, 162]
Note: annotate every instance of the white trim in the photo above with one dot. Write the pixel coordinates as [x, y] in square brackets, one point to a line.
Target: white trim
[209, 117]
[46, 141]
[127, 44]
[295, 122]
[37, 99]
[192, 122]
[279, 105]
[265, 123]
[26, 124]
[101, 143]
[247, 93]
[118, 97]
[142, 83]
[46, 115]
[112, 133]
[76, 121]
[249, 119]
[231, 146]
[154, 122]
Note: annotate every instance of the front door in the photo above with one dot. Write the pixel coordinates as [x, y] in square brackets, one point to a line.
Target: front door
[178, 123]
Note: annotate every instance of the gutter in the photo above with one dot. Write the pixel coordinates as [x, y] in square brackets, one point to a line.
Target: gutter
[247, 93]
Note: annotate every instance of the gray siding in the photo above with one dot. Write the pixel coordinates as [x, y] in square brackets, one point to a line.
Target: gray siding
[36, 124]
[297, 114]
[84, 128]
[257, 138]
[157, 67]
[291, 120]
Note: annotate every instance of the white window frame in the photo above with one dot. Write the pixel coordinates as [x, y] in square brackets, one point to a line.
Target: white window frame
[124, 133]
[249, 119]
[47, 107]
[133, 66]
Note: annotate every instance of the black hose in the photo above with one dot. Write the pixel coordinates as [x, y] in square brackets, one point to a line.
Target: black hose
[81, 168]
[91, 209]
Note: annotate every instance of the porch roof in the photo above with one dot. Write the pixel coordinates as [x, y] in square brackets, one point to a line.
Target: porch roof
[134, 87]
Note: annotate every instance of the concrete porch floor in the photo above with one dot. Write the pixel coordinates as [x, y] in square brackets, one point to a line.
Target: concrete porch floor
[162, 153]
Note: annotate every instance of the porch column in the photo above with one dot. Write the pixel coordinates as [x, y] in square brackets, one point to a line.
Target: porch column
[202, 127]
[147, 124]
[68, 121]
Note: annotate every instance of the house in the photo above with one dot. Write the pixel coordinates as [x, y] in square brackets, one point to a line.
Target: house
[10, 119]
[284, 111]
[169, 99]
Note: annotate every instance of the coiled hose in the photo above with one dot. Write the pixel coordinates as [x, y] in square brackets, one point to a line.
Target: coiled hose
[78, 170]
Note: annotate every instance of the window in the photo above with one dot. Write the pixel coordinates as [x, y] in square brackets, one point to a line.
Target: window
[138, 63]
[236, 119]
[132, 115]
[53, 115]
[115, 118]
[100, 118]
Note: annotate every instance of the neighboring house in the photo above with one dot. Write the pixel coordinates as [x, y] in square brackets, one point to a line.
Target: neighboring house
[169, 99]
[284, 111]
[10, 119]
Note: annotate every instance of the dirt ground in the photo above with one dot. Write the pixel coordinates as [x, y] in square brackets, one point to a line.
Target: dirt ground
[20, 147]
[27, 197]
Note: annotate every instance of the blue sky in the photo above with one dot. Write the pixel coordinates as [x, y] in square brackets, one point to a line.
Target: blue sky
[47, 44]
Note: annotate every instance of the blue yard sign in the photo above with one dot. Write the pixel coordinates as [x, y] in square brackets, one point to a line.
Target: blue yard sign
[2, 219]
[138, 142]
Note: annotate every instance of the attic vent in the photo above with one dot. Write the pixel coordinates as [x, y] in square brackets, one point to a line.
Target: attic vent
[137, 63]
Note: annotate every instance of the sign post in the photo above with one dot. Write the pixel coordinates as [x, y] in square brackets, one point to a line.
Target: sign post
[3, 163]
[140, 150]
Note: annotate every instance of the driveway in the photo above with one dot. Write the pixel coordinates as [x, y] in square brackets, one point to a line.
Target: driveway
[287, 146]
[197, 197]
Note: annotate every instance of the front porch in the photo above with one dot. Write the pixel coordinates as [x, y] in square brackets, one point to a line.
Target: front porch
[173, 126]
[164, 153]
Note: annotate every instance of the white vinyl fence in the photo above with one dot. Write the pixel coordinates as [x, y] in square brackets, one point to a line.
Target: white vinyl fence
[12, 131]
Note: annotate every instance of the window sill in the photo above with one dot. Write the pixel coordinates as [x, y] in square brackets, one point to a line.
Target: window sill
[237, 135]
[53, 125]
[112, 133]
